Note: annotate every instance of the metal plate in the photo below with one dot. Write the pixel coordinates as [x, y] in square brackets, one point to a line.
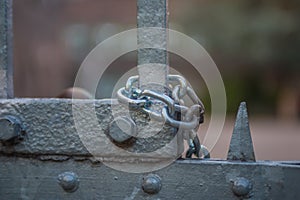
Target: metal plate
[22, 178]
[50, 129]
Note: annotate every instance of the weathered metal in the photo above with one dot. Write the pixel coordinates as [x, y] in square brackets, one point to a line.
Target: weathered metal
[242, 187]
[241, 146]
[28, 178]
[12, 130]
[6, 66]
[52, 158]
[68, 181]
[122, 129]
[151, 184]
[50, 128]
[152, 13]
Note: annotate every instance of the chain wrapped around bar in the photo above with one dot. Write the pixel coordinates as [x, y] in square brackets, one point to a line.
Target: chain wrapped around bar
[174, 112]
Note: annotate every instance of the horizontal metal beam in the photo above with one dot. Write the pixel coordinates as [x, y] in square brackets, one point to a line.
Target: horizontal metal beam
[185, 179]
[80, 127]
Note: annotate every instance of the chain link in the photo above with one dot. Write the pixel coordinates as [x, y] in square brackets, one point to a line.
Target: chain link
[191, 117]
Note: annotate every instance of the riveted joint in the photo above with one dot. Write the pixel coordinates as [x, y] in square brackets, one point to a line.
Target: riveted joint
[242, 187]
[68, 181]
[151, 184]
[11, 130]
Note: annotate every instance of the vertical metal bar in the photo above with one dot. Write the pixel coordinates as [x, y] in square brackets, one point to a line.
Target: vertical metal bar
[152, 62]
[6, 66]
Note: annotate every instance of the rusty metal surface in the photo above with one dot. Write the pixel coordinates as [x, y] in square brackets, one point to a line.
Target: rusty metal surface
[6, 66]
[50, 128]
[22, 178]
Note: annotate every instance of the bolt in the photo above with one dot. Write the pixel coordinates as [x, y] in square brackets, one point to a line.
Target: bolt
[11, 130]
[241, 186]
[68, 181]
[122, 129]
[151, 184]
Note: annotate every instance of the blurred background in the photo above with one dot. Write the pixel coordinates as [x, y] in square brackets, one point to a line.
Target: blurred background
[254, 43]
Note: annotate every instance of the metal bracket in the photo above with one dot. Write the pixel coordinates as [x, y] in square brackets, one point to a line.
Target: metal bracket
[49, 126]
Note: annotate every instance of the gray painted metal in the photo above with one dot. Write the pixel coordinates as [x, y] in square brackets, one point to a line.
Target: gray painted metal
[152, 13]
[241, 146]
[122, 129]
[50, 128]
[242, 187]
[151, 184]
[68, 181]
[52, 159]
[22, 178]
[6, 66]
[11, 130]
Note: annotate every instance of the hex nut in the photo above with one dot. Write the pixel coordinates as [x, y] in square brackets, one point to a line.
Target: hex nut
[68, 181]
[122, 129]
[241, 186]
[11, 130]
[151, 184]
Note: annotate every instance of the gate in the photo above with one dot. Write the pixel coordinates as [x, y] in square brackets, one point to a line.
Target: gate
[43, 157]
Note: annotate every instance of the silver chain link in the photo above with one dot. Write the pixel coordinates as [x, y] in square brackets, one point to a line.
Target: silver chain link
[191, 117]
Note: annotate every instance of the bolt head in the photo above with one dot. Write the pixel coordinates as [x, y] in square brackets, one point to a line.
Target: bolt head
[68, 181]
[10, 129]
[151, 184]
[241, 186]
[122, 129]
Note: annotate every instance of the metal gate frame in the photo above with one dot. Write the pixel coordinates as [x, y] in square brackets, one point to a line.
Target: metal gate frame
[37, 161]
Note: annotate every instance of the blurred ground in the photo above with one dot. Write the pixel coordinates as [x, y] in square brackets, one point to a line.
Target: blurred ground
[272, 139]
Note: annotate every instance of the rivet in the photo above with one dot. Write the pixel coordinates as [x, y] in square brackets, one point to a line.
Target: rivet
[122, 129]
[68, 181]
[151, 184]
[241, 186]
[11, 130]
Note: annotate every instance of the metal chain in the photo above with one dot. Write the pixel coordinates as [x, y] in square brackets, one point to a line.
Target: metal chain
[191, 117]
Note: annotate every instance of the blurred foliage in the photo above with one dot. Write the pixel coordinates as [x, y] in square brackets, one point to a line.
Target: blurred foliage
[255, 44]
[264, 32]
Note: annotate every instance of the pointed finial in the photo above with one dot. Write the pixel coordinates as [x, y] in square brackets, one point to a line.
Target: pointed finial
[241, 146]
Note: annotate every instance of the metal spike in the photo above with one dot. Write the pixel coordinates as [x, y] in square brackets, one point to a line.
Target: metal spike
[241, 146]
